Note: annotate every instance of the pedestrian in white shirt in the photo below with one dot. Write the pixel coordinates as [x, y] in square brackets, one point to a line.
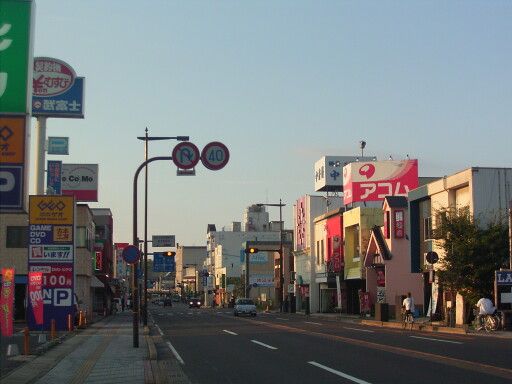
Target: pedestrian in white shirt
[408, 305]
[485, 307]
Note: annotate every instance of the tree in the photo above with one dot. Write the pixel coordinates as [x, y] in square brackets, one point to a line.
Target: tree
[471, 252]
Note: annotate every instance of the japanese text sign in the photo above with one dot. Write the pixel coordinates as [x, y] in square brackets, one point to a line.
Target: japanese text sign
[374, 180]
[35, 294]
[51, 209]
[7, 301]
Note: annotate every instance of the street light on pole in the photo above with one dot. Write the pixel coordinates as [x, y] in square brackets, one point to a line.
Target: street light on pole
[147, 138]
[281, 271]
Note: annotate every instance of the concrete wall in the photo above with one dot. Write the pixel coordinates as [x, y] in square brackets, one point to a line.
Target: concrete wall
[13, 257]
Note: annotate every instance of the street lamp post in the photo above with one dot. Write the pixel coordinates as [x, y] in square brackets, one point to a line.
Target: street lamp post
[146, 138]
[281, 255]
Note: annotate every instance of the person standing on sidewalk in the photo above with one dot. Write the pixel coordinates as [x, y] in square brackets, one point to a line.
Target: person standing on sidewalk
[408, 305]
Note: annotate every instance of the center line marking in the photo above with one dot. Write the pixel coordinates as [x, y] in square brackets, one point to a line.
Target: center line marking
[344, 375]
[440, 340]
[175, 353]
[231, 333]
[280, 318]
[263, 344]
[360, 330]
[312, 322]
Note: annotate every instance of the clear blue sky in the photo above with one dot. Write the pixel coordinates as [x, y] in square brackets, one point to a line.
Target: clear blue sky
[281, 83]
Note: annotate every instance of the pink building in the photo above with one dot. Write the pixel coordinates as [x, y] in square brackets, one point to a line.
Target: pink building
[388, 263]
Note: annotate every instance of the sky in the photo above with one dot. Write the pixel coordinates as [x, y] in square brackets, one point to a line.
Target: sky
[281, 84]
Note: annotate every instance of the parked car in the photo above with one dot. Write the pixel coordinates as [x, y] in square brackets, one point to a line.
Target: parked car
[244, 306]
[194, 302]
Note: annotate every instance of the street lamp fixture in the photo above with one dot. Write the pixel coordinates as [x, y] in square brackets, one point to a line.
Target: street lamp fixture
[146, 139]
[281, 256]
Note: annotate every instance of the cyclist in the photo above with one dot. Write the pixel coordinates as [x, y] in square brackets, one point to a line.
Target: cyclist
[485, 307]
[408, 306]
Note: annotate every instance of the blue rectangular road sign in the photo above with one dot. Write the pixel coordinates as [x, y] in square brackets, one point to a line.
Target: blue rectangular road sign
[163, 263]
[58, 145]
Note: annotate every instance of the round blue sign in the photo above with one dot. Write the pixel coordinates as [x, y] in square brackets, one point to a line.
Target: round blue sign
[131, 254]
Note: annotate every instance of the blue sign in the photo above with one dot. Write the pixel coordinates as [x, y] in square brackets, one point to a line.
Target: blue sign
[53, 177]
[163, 263]
[504, 277]
[131, 254]
[11, 187]
[58, 145]
[254, 258]
[68, 104]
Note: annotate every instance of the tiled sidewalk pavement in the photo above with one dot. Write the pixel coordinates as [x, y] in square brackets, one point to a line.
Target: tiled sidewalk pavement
[104, 353]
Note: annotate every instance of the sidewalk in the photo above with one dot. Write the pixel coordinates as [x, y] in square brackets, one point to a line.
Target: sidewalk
[420, 324]
[102, 353]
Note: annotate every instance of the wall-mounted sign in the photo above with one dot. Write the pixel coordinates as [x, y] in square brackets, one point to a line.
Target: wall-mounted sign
[58, 145]
[81, 181]
[329, 171]
[374, 180]
[15, 56]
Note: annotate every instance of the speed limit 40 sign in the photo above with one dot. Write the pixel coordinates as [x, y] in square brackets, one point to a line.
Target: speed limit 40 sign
[215, 156]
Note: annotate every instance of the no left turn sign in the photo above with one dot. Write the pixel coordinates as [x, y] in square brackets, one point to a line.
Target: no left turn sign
[215, 156]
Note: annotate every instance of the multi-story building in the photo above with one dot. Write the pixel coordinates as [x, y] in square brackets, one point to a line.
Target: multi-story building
[189, 263]
[486, 192]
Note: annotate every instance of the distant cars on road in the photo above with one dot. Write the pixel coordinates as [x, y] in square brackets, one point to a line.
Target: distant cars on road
[244, 306]
[194, 302]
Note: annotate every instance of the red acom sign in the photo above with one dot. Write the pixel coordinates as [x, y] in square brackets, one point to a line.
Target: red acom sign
[52, 77]
[374, 180]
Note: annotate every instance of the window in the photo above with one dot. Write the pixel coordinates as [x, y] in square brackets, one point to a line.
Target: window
[427, 228]
[84, 238]
[322, 252]
[318, 253]
[17, 237]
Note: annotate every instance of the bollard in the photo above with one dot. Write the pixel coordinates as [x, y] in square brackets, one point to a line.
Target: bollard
[70, 323]
[26, 341]
[85, 319]
[80, 319]
[52, 330]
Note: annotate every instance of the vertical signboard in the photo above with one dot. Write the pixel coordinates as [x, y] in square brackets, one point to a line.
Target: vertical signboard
[35, 294]
[51, 252]
[53, 177]
[7, 301]
[12, 163]
[15, 56]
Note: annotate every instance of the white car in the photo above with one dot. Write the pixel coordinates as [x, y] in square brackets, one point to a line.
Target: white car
[244, 306]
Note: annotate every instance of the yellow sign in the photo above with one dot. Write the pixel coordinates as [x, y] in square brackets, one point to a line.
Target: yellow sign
[12, 140]
[51, 209]
[62, 233]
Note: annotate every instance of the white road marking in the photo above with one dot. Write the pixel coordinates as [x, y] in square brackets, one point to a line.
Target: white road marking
[175, 353]
[280, 318]
[341, 374]
[190, 313]
[312, 322]
[159, 330]
[360, 330]
[440, 340]
[219, 313]
[231, 333]
[263, 344]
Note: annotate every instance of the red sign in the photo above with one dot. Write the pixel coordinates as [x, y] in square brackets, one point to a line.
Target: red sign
[99, 260]
[35, 293]
[52, 77]
[374, 180]
[7, 301]
[399, 224]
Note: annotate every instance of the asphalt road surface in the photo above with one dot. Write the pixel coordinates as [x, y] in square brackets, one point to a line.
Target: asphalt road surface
[212, 346]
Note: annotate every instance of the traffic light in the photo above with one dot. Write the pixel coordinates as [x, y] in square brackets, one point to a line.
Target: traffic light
[251, 250]
[169, 253]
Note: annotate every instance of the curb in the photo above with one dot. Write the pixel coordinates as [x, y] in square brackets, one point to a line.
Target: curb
[416, 327]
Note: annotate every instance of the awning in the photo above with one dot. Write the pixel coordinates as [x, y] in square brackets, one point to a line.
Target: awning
[352, 273]
[96, 283]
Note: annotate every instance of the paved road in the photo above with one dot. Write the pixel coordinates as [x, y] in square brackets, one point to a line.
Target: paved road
[213, 346]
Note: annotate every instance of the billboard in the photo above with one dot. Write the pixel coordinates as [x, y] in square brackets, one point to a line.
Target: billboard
[374, 180]
[69, 104]
[12, 162]
[51, 252]
[81, 181]
[329, 169]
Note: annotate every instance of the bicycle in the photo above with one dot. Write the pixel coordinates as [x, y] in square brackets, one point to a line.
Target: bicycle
[407, 318]
[491, 322]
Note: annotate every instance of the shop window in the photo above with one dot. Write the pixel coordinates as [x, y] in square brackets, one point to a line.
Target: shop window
[427, 228]
[17, 237]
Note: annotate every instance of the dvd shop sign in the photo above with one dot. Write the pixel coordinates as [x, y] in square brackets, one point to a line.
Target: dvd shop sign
[51, 253]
